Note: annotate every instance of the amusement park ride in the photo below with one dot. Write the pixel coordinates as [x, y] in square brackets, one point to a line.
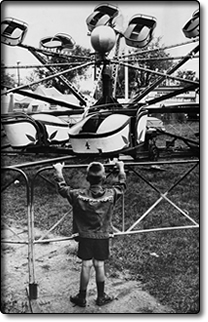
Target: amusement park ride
[107, 128]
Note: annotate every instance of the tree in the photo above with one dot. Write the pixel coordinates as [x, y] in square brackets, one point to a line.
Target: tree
[32, 77]
[76, 56]
[7, 79]
[139, 79]
[187, 74]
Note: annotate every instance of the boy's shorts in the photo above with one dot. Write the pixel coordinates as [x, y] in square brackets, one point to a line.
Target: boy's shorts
[93, 249]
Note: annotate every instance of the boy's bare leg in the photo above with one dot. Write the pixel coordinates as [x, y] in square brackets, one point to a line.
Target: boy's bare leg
[85, 274]
[80, 298]
[102, 298]
[100, 276]
[100, 270]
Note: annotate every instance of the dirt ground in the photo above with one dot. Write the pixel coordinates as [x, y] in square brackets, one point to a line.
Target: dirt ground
[57, 274]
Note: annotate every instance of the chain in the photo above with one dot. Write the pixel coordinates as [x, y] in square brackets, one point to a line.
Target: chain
[97, 79]
[116, 66]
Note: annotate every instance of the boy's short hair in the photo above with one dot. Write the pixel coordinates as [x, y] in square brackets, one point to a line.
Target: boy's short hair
[95, 172]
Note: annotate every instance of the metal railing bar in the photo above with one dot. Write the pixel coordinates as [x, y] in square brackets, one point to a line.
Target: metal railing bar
[55, 225]
[36, 163]
[180, 210]
[146, 213]
[152, 230]
[7, 226]
[55, 239]
[65, 158]
[9, 183]
[47, 180]
[6, 241]
[182, 177]
[147, 181]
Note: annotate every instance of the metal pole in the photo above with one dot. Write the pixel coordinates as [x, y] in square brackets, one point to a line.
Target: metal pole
[180, 210]
[152, 230]
[78, 63]
[61, 159]
[146, 213]
[171, 70]
[164, 48]
[6, 241]
[63, 79]
[48, 51]
[42, 162]
[170, 95]
[31, 262]
[123, 213]
[32, 284]
[47, 78]
[126, 74]
[18, 73]
[163, 75]
[51, 100]
[55, 225]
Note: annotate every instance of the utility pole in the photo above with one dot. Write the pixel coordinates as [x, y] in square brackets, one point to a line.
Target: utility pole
[18, 73]
[126, 77]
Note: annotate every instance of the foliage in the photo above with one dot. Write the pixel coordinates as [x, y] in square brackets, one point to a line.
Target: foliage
[32, 77]
[187, 74]
[140, 78]
[166, 262]
[6, 78]
[76, 56]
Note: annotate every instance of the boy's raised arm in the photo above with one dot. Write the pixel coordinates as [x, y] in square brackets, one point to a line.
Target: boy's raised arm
[120, 187]
[59, 171]
[63, 189]
[122, 174]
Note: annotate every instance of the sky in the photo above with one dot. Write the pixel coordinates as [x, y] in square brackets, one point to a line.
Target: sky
[46, 18]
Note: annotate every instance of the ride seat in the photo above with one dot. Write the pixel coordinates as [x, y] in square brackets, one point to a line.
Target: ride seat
[22, 131]
[112, 122]
[141, 125]
[139, 31]
[191, 28]
[13, 31]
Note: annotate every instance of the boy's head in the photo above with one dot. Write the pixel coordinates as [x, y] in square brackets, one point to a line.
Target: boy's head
[95, 173]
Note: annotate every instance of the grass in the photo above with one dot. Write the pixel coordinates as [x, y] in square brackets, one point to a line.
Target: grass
[167, 262]
[14, 307]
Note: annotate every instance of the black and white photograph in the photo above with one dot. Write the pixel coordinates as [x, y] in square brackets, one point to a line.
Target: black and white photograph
[100, 158]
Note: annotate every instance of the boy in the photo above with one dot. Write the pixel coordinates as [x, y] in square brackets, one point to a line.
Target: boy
[92, 212]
